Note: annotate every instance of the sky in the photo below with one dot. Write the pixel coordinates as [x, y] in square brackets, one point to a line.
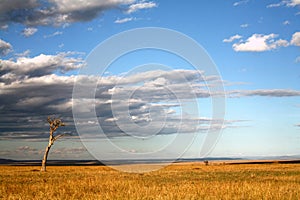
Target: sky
[150, 103]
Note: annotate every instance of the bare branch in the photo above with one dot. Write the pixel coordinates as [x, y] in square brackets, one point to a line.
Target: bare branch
[59, 136]
[49, 120]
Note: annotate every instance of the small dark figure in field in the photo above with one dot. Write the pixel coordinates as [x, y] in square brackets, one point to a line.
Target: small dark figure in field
[205, 162]
[54, 124]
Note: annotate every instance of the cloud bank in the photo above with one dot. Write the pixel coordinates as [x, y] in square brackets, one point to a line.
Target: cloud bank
[31, 88]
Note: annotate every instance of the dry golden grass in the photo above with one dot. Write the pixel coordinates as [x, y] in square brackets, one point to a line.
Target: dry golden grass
[179, 181]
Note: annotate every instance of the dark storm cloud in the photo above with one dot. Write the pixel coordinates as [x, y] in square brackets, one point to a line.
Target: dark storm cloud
[59, 12]
[30, 91]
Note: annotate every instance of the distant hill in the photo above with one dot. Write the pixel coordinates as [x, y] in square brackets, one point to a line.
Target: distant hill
[49, 162]
[7, 161]
[228, 160]
[111, 162]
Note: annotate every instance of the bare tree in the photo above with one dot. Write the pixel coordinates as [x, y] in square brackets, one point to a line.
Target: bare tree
[54, 124]
[205, 162]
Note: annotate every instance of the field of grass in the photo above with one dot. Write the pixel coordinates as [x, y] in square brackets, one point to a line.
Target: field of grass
[178, 181]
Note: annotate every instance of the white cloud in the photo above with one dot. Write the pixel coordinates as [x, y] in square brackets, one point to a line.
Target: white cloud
[293, 3]
[138, 6]
[286, 22]
[280, 43]
[53, 34]
[5, 47]
[259, 43]
[27, 32]
[23, 54]
[296, 39]
[232, 38]
[41, 64]
[240, 2]
[124, 20]
[274, 5]
[298, 59]
[288, 3]
[244, 25]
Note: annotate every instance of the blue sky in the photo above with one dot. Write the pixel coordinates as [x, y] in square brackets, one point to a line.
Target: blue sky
[254, 44]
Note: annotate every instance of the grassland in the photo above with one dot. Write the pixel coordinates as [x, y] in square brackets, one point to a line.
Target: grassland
[179, 181]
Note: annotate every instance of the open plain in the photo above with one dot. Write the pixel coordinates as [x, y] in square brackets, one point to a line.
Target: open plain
[177, 181]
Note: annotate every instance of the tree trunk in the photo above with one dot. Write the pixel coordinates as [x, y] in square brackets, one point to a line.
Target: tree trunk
[54, 124]
[44, 162]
